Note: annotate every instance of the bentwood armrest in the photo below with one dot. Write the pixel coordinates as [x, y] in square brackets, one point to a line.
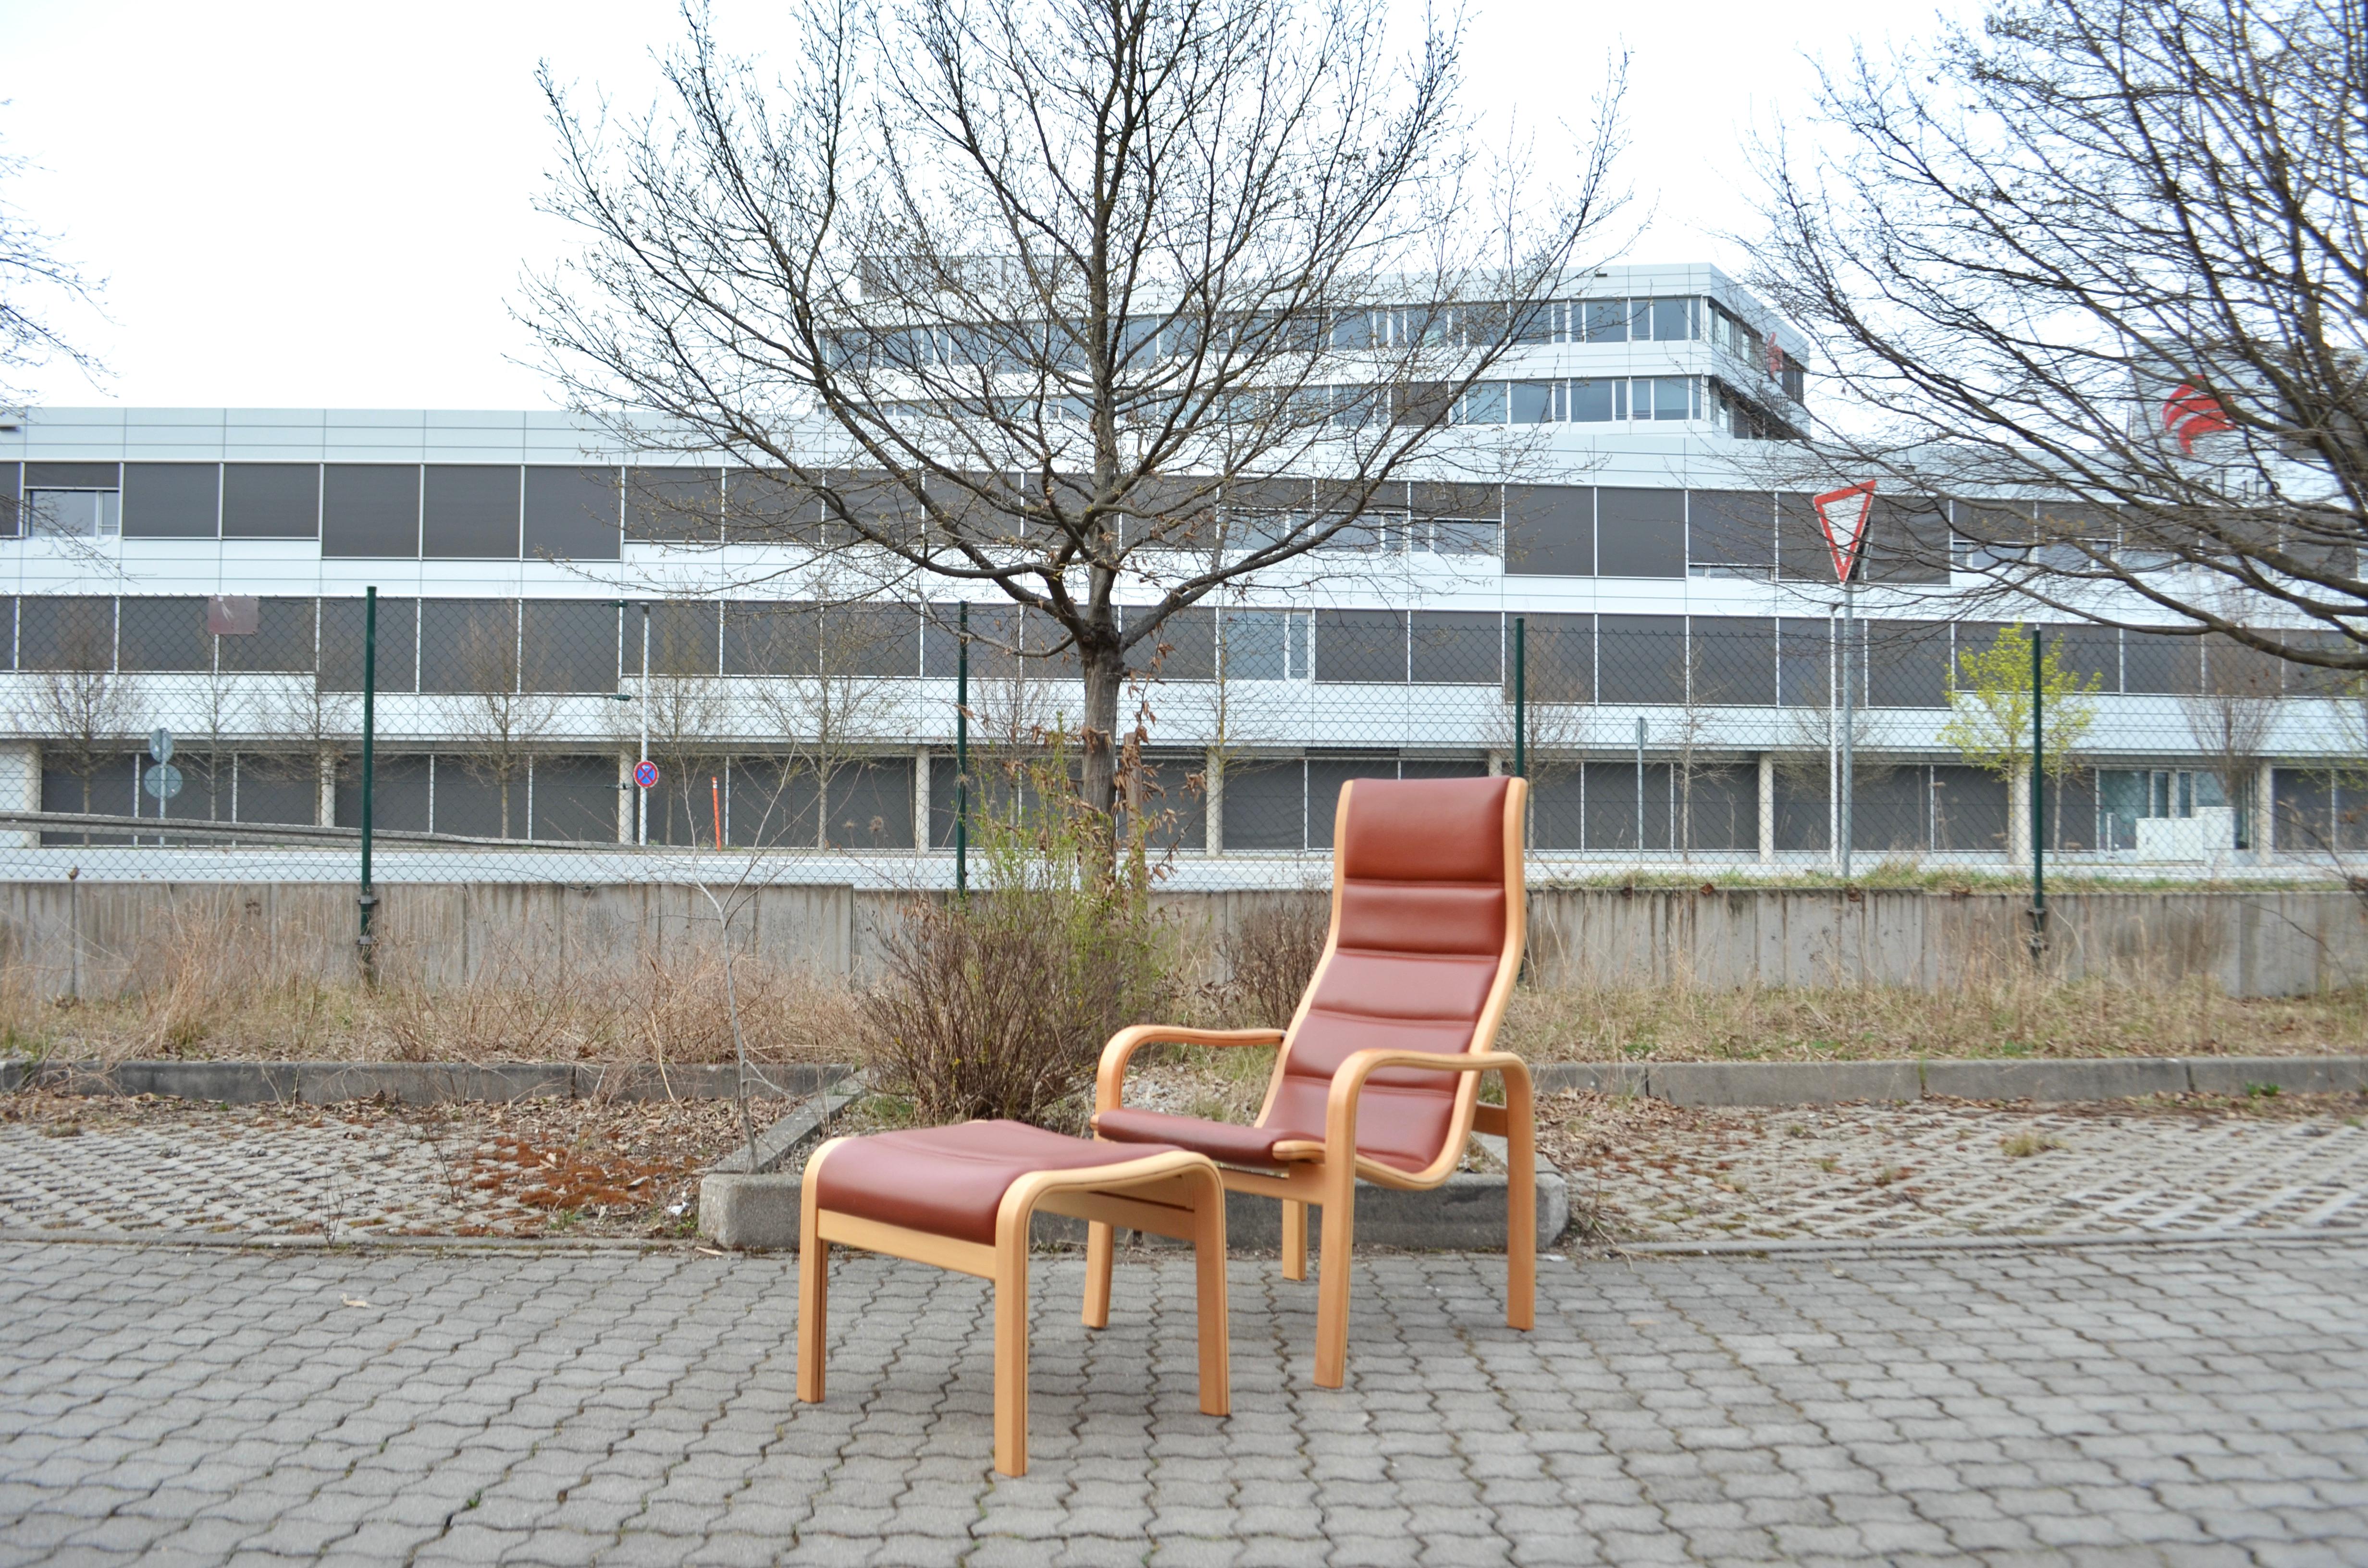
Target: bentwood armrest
[1110, 1080]
[1348, 1082]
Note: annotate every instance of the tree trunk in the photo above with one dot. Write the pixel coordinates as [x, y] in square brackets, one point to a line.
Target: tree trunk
[1103, 663]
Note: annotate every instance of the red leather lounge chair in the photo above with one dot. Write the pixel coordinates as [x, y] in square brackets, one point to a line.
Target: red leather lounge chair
[1379, 1074]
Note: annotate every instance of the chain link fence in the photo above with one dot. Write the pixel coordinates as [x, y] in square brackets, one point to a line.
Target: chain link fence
[818, 743]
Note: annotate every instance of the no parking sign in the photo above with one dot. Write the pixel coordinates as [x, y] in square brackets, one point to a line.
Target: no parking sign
[646, 774]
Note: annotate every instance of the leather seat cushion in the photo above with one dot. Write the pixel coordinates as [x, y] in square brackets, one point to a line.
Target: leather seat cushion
[1226, 1142]
[950, 1181]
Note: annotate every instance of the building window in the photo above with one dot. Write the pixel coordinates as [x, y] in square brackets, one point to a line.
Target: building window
[1606, 321]
[1266, 644]
[1533, 401]
[1598, 402]
[1483, 404]
[74, 514]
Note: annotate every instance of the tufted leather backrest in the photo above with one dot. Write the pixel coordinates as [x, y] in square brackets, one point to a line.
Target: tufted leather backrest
[1426, 930]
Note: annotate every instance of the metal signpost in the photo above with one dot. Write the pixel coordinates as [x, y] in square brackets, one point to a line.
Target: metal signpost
[1520, 698]
[1842, 513]
[642, 801]
[367, 943]
[162, 781]
[2038, 806]
[961, 751]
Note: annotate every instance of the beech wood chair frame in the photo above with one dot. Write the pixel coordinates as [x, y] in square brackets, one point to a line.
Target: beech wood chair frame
[1325, 1174]
[1170, 1193]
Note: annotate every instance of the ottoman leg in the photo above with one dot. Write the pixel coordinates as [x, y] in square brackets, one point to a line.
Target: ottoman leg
[1101, 1241]
[1011, 1349]
[813, 1310]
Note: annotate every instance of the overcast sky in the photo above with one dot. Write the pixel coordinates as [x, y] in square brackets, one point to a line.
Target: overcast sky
[312, 206]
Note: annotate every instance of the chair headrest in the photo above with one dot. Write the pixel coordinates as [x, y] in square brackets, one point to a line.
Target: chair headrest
[1425, 830]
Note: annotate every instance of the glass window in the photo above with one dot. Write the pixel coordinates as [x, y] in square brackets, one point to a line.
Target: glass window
[171, 500]
[1483, 404]
[469, 510]
[1606, 321]
[75, 514]
[1640, 533]
[1535, 322]
[1264, 644]
[1532, 402]
[1457, 648]
[1731, 533]
[271, 501]
[1591, 401]
[1672, 320]
[1673, 398]
[370, 510]
[1550, 531]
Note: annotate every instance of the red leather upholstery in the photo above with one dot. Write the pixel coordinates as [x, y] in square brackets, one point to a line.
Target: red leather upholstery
[949, 1181]
[1228, 1142]
[1422, 921]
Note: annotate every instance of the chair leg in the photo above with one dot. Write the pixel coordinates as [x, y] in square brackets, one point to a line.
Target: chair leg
[1339, 1203]
[1011, 1352]
[1101, 1240]
[1209, 1270]
[1294, 1240]
[1520, 1227]
[814, 1305]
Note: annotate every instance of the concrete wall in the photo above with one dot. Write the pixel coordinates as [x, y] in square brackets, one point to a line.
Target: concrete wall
[91, 935]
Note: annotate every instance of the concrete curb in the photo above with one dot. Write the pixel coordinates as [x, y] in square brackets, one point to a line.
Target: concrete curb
[1894, 1246]
[793, 1132]
[1466, 1214]
[416, 1082]
[2059, 1081]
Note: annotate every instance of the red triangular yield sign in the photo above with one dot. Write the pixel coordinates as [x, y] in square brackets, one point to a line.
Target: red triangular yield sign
[1842, 513]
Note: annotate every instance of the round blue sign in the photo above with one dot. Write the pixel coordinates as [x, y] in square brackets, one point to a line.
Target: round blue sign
[646, 774]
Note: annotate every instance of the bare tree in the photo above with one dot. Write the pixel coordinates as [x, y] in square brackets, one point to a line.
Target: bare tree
[2230, 716]
[836, 708]
[2113, 251]
[76, 705]
[31, 269]
[501, 725]
[1065, 298]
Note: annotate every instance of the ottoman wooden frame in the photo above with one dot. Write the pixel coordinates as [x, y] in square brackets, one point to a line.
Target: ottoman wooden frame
[1169, 1192]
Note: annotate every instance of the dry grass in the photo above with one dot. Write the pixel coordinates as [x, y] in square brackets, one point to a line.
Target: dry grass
[217, 990]
[2022, 1016]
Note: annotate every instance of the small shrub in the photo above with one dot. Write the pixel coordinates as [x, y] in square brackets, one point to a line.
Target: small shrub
[2023, 1145]
[1270, 955]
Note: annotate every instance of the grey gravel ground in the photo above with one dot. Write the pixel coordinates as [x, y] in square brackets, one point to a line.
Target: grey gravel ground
[2199, 1402]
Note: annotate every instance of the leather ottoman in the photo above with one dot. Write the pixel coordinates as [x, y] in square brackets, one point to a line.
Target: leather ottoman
[960, 1198]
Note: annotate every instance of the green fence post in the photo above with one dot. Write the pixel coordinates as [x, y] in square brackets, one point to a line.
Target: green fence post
[961, 751]
[2038, 806]
[367, 943]
[1521, 696]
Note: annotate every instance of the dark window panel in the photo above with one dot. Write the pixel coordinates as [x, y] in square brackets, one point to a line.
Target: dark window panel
[468, 645]
[1456, 519]
[1716, 806]
[571, 514]
[171, 500]
[1907, 541]
[876, 506]
[1733, 660]
[1266, 805]
[1805, 652]
[683, 636]
[1458, 648]
[1266, 644]
[576, 799]
[281, 643]
[994, 631]
[75, 634]
[1179, 513]
[1611, 810]
[1184, 647]
[1558, 664]
[769, 506]
[869, 805]
[2305, 802]
[1051, 654]
[1261, 512]
[769, 638]
[1360, 646]
[106, 787]
[2087, 651]
[1640, 533]
[342, 623]
[1731, 533]
[1802, 553]
[271, 501]
[2315, 680]
[2072, 819]
[74, 476]
[279, 789]
[772, 803]
[469, 512]
[1890, 810]
[398, 795]
[1642, 658]
[1907, 664]
[2232, 669]
[674, 506]
[2160, 663]
[990, 795]
[1803, 811]
[1324, 776]
[1175, 807]
[163, 634]
[11, 489]
[473, 798]
[570, 645]
[1550, 531]
[369, 510]
[1556, 821]
[208, 779]
[8, 632]
[872, 641]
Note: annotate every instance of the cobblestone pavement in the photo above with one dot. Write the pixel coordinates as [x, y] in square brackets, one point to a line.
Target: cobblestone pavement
[1951, 1168]
[1651, 1173]
[2182, 1403]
